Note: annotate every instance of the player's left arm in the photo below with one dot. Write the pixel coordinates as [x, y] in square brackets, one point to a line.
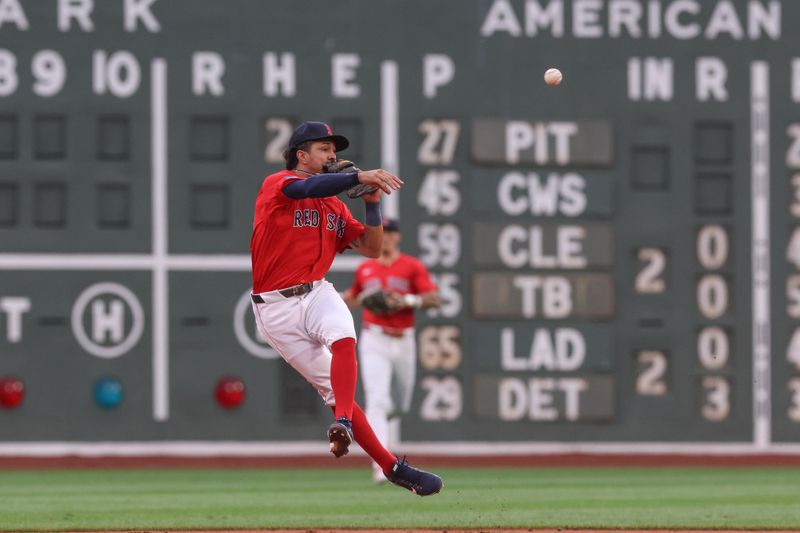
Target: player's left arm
[369, 243]
[430, 299]
[425, 300]
[427, 291]
[425, 294]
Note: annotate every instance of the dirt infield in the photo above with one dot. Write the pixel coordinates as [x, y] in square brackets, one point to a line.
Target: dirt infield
[477, 530]
[555, 460]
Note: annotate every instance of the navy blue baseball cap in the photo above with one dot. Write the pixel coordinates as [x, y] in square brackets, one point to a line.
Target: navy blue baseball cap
[317, 131]
[390, 224]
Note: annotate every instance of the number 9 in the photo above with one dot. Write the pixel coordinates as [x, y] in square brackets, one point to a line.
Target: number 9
[50, 72]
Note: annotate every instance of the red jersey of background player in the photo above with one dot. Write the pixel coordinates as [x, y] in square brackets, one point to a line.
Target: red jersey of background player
[406, 275]
[314, 230]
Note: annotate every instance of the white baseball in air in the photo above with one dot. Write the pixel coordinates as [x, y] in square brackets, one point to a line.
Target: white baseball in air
[553, 77]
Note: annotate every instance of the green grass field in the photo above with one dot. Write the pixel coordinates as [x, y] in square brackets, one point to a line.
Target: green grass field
[754, 498]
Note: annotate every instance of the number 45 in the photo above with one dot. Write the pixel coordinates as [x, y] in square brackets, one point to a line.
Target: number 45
[439, 193]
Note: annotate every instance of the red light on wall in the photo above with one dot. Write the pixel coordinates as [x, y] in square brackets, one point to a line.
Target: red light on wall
[229, 392]
[12, 392]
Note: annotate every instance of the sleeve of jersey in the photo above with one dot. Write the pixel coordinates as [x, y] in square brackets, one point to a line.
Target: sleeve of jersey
[352, 230]
[320, 186]
[278, 185]
[422, 281]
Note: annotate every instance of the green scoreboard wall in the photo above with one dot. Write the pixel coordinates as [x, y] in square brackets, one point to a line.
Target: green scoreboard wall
[618, 256]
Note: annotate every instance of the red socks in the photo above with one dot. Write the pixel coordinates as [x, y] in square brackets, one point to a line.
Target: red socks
[366, 438]
[344, 372]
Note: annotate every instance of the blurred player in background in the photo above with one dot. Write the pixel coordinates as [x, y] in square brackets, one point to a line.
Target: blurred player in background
[299, 227]
[389, 288]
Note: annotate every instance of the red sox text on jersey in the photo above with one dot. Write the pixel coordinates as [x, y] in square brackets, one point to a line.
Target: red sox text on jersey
[310, 217]
[282, 223]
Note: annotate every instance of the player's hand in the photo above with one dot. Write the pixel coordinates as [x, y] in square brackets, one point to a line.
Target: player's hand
[394, 300]
[385, 181]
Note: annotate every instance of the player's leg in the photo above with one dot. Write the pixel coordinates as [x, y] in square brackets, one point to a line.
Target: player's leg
[329, 321]
[366, 438]
[344, 374]
[313, 362]
[285, 322]
[398, 472]
[290, 331]
[315, 368]
[282, 325]
[376, 378]
[405, 370]
[377, 355]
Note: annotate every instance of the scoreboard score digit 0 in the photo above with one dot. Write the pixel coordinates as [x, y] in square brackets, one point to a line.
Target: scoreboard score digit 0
[618, 256]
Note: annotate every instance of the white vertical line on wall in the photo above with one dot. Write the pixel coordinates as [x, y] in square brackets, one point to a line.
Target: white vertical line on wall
[390, 147]
[759, 182]
[160, 232]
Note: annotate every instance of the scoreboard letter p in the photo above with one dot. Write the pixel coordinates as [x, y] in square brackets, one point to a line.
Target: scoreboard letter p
[438, 71]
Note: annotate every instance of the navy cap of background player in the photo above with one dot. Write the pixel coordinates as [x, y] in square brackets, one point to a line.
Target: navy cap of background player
[390, 224]
[317, 131]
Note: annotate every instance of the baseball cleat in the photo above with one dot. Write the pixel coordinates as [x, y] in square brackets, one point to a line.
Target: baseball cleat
[341, 436]
[418, 481]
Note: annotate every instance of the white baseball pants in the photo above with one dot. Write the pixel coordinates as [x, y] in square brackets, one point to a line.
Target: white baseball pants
[302, 329]
[388, 370]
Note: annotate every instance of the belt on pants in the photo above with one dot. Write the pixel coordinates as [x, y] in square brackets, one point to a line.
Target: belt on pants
[297, 290]
[389, 331]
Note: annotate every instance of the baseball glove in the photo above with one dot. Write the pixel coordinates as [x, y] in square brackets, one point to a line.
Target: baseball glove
[376, 301]
[343, 165]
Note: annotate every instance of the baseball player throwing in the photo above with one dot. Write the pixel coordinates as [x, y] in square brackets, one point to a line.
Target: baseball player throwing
[390, 288]
[298, 228]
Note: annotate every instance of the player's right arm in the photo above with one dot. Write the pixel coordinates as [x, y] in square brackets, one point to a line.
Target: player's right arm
[320, 186]
[324, 185]
[369, 243]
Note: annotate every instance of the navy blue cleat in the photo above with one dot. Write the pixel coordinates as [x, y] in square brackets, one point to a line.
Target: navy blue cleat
[340, 434]
[418, 481]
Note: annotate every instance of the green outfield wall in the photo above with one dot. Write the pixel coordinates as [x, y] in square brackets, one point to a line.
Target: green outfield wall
[618, 256]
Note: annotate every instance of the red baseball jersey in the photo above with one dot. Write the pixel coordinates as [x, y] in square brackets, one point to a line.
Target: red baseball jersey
[406, 275]
[295, 241]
